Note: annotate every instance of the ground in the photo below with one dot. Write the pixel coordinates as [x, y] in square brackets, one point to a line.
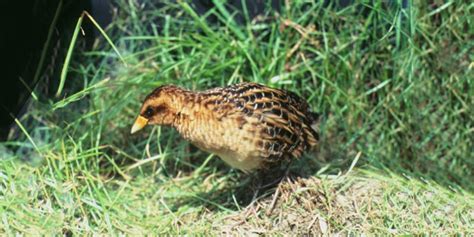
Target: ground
[393, 87]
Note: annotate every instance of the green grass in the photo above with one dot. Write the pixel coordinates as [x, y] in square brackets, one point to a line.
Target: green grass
[394, 88]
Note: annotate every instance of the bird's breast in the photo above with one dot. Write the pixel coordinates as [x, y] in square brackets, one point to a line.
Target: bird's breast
[225, 137]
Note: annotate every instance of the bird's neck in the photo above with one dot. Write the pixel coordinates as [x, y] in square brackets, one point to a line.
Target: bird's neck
[193, 117]
[186, 104]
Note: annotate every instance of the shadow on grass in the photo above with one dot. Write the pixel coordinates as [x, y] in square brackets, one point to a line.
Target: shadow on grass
[246, 189]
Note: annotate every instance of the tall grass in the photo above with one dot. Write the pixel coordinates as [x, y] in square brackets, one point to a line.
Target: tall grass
[393, 86]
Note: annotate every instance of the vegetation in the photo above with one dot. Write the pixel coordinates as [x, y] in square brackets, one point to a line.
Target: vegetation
[393, 86]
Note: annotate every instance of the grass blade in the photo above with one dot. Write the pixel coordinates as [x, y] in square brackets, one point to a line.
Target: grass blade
[65, 68]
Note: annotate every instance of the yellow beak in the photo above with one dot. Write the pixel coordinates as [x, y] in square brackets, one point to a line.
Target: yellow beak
[139, 124]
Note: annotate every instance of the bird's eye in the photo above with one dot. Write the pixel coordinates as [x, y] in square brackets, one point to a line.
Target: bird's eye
[148, 112]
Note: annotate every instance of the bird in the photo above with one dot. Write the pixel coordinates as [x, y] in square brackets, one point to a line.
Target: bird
[248, 125]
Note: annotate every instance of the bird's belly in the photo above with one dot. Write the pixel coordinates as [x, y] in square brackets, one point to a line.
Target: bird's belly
[236, 146]
[244, 160]
[243, 163]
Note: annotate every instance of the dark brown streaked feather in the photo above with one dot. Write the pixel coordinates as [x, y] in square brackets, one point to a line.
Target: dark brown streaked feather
[250, 126]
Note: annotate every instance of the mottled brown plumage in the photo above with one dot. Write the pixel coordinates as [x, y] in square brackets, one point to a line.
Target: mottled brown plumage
[248, 125]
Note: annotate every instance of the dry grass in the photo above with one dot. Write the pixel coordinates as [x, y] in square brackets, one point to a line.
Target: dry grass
[353, 204]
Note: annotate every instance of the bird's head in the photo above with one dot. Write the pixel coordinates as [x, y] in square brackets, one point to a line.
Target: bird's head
[159, 108]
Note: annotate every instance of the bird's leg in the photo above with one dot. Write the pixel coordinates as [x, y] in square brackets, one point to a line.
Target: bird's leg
[257, 190]
[261, 187]
[279, 179]
[277, 191]
[251, 207]
[287, 171]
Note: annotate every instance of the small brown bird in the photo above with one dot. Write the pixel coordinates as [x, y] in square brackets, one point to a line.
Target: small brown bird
[248, 125]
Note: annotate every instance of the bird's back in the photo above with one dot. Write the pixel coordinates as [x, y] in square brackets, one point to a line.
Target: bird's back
[252, 126]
